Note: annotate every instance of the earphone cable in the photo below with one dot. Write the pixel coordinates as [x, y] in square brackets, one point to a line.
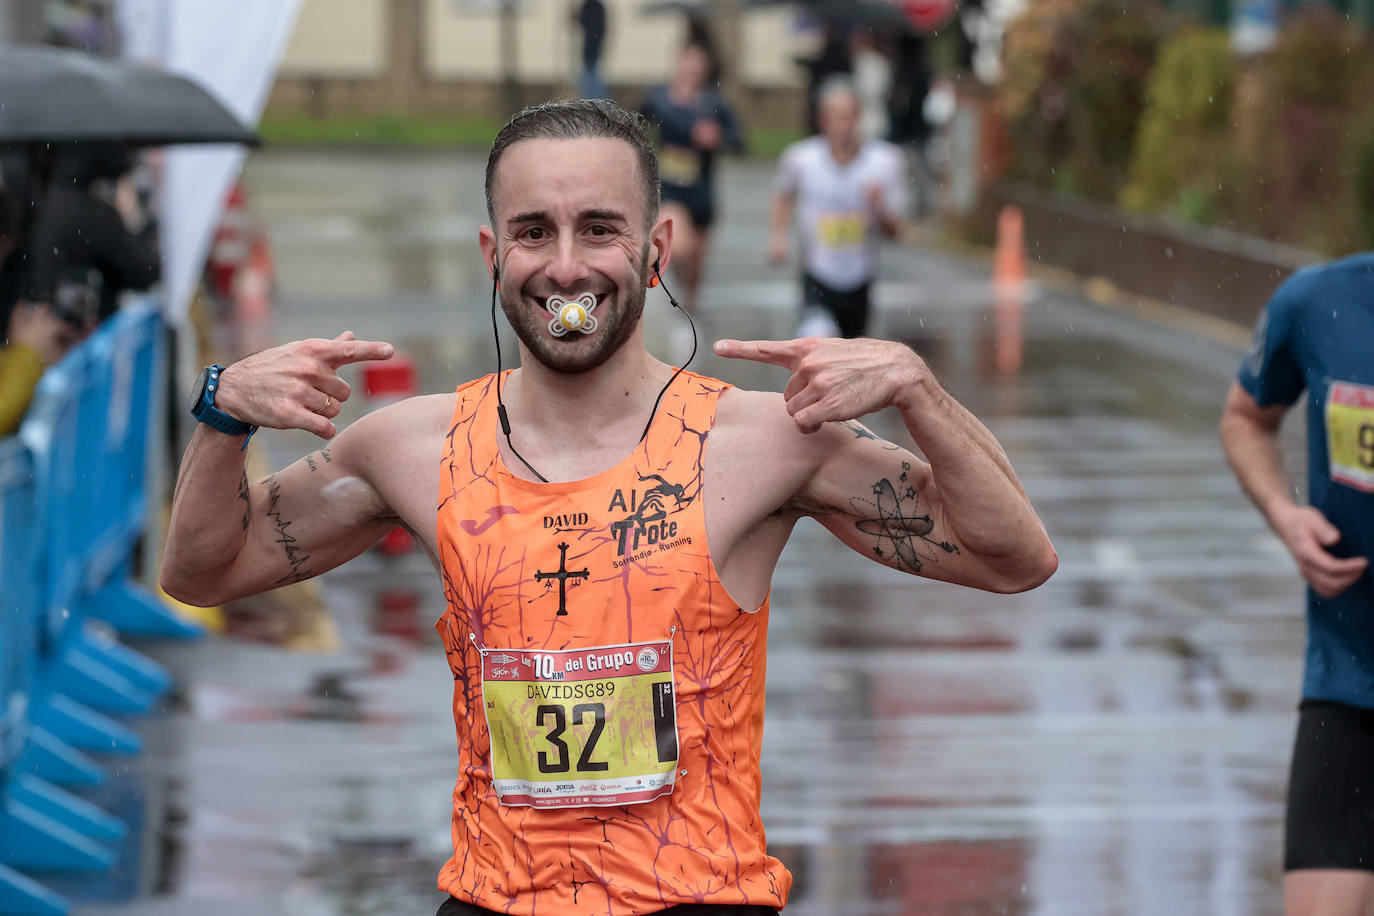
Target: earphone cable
[500, 380]
[673, 301]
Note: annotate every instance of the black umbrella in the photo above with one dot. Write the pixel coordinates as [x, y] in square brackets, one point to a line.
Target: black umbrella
[55, 96]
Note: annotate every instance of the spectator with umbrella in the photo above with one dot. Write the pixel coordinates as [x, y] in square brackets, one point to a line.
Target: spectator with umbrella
[72, 231]
[35, 336]
[92, 241]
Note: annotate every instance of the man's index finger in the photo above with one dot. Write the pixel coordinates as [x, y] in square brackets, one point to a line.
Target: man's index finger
[358, 351]
[774, 352]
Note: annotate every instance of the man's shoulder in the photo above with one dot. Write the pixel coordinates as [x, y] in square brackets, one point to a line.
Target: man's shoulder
[414, 414]
[1356, 268]
[758, 420]
[807, 150]
[882, 154]
[1312, 288]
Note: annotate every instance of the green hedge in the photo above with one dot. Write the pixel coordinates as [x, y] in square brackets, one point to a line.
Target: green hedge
[1181, 157]
[1074, 90]
[1158, 115]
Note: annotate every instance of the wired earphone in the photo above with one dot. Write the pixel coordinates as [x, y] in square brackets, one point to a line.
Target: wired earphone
[655, 280]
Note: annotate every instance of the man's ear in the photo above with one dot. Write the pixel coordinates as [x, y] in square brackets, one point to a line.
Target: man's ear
[486, 240]
[661, 240]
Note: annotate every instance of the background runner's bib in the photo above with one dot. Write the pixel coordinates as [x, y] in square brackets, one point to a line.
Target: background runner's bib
[841, 230]
[608, 694]
[1350, 434]
[678, 165]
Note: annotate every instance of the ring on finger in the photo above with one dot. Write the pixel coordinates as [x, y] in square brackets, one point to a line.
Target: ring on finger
[328, 402]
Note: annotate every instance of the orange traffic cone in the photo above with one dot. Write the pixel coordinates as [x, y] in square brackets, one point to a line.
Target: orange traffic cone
[1009, 265]
[1009, 287]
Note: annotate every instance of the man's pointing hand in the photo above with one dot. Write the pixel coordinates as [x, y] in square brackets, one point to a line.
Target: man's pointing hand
[295, 386]
[834, 379]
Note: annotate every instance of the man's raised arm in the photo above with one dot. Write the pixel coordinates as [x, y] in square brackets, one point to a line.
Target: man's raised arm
[962, 518]
[230, 538]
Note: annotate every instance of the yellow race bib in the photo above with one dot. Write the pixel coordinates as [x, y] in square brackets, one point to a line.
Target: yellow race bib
[840, 230]
[1350, 434]
[679, 165]
[581, 727]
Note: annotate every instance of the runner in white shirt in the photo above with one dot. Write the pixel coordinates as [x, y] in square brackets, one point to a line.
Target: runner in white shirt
[846, 193]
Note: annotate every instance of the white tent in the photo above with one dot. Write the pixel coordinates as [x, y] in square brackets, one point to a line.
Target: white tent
[233, 50]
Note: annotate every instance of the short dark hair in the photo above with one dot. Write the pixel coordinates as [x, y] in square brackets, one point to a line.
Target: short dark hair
[576, 119]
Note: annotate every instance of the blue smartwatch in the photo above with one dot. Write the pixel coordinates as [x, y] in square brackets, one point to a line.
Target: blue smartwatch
[203, 407]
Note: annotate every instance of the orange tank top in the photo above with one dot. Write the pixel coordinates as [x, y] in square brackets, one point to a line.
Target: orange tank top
[585, 622]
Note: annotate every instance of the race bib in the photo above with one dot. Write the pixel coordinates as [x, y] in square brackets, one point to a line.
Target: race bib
[679, 165]
[1350, 434]
[840, 230]
[581, 727]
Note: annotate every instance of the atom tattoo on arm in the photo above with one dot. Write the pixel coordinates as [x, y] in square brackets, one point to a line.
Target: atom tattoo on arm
[891, 518]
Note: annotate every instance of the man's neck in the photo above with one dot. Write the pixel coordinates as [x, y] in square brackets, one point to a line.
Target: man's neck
[843, 153]
[683, 93]
[582, 408]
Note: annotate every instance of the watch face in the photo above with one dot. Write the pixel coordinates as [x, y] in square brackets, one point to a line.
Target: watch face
[199, 388]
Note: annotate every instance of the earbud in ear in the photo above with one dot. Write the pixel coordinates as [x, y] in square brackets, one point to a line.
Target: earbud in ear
[655, 265]
[653, 281]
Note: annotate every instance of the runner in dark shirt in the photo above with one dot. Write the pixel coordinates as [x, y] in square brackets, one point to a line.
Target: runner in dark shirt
[694, 123]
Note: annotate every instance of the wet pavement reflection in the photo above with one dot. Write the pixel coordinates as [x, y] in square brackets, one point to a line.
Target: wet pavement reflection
[1114, 742]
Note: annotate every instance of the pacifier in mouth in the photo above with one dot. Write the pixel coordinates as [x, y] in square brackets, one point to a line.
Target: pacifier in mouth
[571, 314]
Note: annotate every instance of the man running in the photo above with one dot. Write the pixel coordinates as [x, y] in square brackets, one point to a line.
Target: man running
[1317, 334]
[695, 124]
[847, 193]
[605, 554]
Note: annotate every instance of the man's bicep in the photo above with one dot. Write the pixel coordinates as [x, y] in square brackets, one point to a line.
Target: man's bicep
[1242, 406]
[878, 498]
[305, 520]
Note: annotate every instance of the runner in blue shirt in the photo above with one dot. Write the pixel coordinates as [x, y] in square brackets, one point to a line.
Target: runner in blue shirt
[1317, 334]
[694, 123]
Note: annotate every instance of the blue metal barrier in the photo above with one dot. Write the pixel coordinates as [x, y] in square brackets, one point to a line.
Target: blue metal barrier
[73, 506]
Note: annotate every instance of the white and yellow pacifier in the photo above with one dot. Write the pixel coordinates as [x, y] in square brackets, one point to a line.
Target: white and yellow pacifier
[571, 314]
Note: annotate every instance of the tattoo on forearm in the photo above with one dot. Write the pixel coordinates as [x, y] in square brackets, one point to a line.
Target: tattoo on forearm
[243, 495]
[893, 518]
[863, 432]
[324, 453]
[310, 463]
[294, 558]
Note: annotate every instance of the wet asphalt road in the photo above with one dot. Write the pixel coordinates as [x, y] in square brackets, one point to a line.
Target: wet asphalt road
[1114, 742]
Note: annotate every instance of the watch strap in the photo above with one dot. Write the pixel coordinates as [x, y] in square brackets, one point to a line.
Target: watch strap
[206, 412]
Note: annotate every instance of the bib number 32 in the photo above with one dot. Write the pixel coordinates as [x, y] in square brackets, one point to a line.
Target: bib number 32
[581, 727]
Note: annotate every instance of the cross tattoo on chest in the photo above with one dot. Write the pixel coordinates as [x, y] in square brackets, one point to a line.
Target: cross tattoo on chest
[563, 575]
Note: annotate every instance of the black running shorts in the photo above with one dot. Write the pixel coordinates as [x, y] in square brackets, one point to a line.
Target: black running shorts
[1331, 789]
[849, 308]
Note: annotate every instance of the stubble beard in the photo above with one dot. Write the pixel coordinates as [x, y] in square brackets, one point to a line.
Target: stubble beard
[575, 353]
